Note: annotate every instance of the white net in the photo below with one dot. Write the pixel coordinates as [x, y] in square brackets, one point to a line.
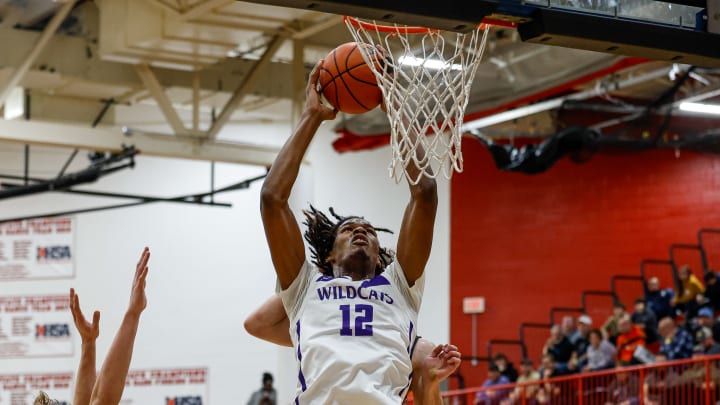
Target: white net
[425, 76]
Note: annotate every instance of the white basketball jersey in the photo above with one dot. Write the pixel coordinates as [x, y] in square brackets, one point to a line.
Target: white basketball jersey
[352, 338]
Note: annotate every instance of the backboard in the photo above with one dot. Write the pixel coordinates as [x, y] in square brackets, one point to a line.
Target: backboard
[674, 31]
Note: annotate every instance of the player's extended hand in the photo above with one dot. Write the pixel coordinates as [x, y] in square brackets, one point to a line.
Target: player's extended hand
[137, 294]
[442, 362]
[88, 331]
[312, 94]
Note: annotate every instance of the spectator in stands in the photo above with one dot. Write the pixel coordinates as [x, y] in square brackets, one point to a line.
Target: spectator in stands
[583, 340]
[493, 396]
[560, 347]
[506, 367]
[631, 337]
[548, 390]
[693, 378]
[644, 318]
[691, 287]
[548, 367]
[610, 328]
[659, 300]
[706, 319]
[266, 395]
[707, 344]
[600, 353]
[676, 343]
[527, 375]
[569, 329]
[624, 389]
[660, 383]
[712, 290]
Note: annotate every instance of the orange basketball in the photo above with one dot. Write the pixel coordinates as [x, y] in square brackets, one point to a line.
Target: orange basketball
[347, 82]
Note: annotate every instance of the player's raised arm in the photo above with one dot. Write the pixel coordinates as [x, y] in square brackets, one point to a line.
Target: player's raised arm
[281, 229]
[88, 333]
[111, 379]
[270, 322]
[416, 231]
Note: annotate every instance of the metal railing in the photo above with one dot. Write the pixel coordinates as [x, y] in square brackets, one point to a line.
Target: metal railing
[687, 382]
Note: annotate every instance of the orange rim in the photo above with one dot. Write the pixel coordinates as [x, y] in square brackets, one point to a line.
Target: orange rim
[418, 30]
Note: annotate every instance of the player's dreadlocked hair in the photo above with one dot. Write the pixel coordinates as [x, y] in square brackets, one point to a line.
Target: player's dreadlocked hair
[321, 232]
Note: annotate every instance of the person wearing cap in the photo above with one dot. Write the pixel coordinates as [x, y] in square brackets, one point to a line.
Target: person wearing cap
[527, 375]
[706, 319]
[488, 395]
[707, 344]
[676, 343]
[265, 395]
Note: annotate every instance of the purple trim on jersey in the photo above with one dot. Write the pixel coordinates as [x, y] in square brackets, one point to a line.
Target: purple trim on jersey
[301, 377]
[410, 338]
[404, 393]
[376, 281]
[325, 278]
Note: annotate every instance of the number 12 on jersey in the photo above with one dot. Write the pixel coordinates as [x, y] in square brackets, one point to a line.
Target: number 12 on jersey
[363, 320]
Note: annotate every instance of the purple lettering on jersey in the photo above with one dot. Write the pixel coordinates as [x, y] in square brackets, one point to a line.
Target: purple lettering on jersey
[376, 281]
[351, 292]
[324, 293]
[386, 298]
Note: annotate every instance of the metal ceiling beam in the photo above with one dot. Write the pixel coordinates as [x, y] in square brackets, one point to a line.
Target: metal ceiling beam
[202, 8]
[70, 59]
[37, 48]
[558, 102]
[74, 136]
[153, 85]
[251, 77]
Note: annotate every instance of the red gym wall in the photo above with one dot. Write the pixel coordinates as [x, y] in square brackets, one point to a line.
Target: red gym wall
[527, 243]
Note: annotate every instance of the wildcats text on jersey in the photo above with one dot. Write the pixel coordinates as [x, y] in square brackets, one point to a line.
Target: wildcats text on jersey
[364, 291]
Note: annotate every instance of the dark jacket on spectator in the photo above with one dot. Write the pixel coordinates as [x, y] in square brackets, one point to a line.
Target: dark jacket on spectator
[648, 319]
[510, 372]
[659, 302]
[712, 294]
[562, 351]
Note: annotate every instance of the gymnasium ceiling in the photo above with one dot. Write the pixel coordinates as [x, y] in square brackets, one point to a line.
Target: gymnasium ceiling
[171, 67]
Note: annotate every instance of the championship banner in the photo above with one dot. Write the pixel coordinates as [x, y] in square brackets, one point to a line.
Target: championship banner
[37, 249]
[22, 388]
[35, 326]
[172, 386]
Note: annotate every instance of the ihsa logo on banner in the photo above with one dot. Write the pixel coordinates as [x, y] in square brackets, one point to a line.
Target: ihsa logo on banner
[47, 254]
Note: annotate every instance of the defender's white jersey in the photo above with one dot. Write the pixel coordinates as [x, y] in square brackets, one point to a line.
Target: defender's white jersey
[352, 338]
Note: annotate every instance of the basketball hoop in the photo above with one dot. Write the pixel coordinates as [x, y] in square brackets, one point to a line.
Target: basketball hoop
[425, 76]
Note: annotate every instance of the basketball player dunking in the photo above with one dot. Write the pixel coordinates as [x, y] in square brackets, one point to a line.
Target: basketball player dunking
[353, 313]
